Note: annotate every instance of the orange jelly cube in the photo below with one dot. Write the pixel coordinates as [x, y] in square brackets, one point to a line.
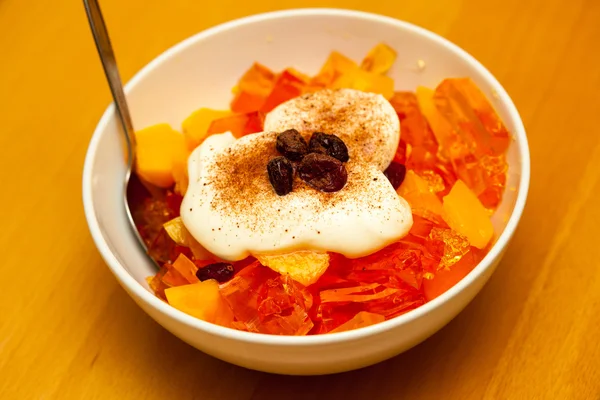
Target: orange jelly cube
[461, 102]
[238, 124]
[186, 268]
[245, 102]
[336, 65]
[463, 140]
[360, 320]
[419, 195]
[287, 86]
[464, 213]
[266, 302]
[379, 59]
[447, 245]
[257, 80]
[444, 279]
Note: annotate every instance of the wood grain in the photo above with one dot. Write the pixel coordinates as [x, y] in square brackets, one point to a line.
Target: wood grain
[68, 331]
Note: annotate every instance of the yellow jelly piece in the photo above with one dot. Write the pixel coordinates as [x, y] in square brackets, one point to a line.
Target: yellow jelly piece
[464, 213]
[195, 127]
[159, 149]
[379, 60]
[201, 300]
[305, 267]
[365, 81]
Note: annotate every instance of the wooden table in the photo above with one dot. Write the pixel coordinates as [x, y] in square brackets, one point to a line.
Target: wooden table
[68, 331]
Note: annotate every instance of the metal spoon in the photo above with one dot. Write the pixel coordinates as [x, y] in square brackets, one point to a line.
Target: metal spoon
[109, 63]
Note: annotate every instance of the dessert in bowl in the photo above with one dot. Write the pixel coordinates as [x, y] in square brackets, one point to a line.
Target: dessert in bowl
[281, 217]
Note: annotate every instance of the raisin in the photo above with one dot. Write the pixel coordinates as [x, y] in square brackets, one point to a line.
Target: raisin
[281, 175]
[323, 172]
[395, 174]
[221, 272]
[291, 144]
[330, 145]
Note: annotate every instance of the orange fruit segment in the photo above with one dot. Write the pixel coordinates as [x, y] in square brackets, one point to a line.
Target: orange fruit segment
[159, 148]
[305, 267]
[201, 300]
[464, 213]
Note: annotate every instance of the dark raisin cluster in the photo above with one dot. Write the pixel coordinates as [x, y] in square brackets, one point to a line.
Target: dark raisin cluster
[220, 271]
[320, 163]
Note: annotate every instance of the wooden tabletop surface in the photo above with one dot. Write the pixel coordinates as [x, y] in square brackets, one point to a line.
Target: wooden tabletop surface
[68, 331]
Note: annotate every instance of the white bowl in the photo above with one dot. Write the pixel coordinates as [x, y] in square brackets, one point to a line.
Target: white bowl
[200, 71]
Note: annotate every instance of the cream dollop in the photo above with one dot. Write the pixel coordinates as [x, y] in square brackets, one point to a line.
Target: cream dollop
[231, 208]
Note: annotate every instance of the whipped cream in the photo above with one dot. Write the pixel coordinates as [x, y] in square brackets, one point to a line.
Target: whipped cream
[234, 216]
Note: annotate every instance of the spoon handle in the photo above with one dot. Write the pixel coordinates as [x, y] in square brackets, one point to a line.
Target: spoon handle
[109, 63]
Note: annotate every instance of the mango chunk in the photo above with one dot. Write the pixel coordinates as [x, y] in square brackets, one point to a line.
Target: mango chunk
[305, 267]
[195, 127]
[159, 149]
[464, 213]
[379, 60]
[201, 300]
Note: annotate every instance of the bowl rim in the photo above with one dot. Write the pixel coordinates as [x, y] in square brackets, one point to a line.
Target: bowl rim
[136, 288]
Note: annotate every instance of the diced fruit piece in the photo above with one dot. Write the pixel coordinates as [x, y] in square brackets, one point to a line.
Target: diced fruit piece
[186, 268]
[379, 59]
[305, 267]
[336, 65]
[366, 81]
[444, 279]
[195, 127]
[464, 213]
[159, 147]
[417, 192]
[360, 320]
[201, 300]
